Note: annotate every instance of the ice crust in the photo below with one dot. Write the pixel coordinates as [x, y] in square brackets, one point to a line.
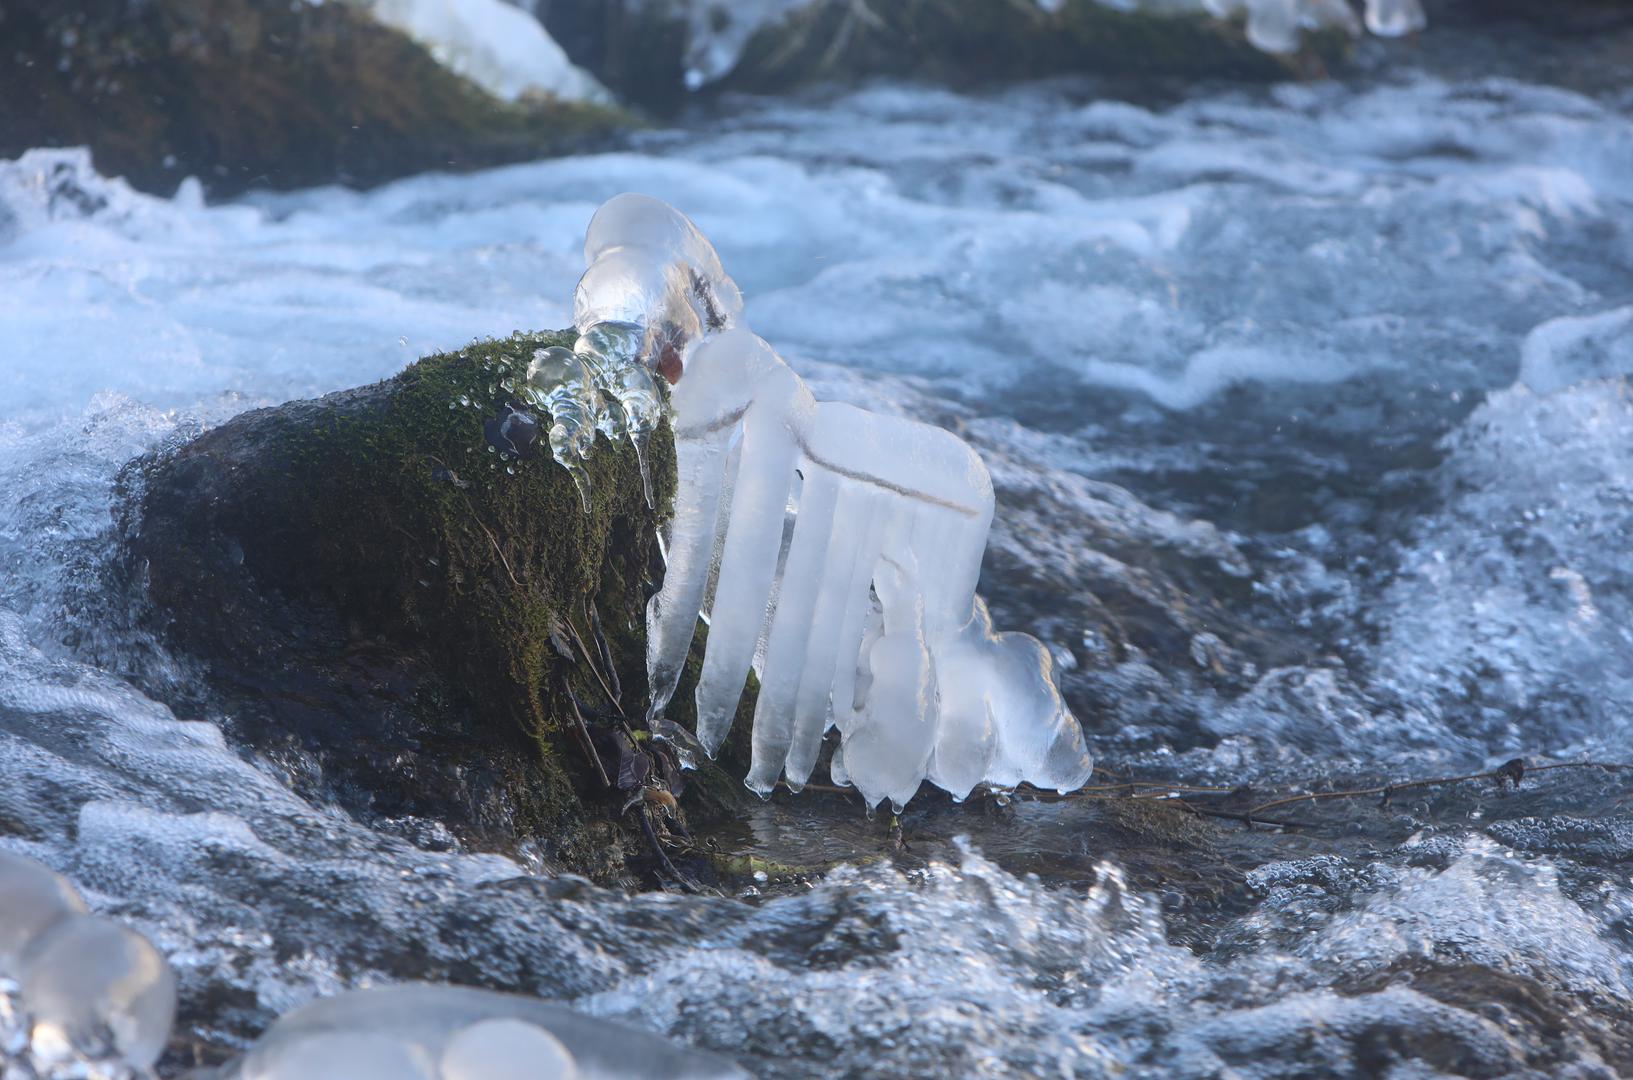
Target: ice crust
[80, 995]
[866, 619]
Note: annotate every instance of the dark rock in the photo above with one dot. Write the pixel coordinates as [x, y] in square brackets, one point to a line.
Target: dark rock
[256, 93]
[639, 47]
[407, 621]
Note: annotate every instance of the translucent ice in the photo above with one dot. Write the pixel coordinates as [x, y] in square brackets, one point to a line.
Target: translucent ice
[456, 1033]
[32, 899]
[97, 990]
[77, 992]
[874, 626]
[1394, 18]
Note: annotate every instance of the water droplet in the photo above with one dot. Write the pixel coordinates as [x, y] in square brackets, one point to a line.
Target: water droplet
[463, 400]
[492, 449]
[511, 469]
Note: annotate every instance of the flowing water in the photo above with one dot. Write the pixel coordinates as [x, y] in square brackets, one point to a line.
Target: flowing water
[1308, 414]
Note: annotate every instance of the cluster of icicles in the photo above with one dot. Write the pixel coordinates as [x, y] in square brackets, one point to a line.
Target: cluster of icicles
[85, 998]
[833, 550]
[597, 386]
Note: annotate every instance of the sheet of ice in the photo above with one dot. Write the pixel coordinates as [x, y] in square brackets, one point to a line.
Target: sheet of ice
[459, 1033]
[498, 46]
[886, 511]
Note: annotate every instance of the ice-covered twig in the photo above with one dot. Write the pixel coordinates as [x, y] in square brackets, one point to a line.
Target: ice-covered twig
[833, 549]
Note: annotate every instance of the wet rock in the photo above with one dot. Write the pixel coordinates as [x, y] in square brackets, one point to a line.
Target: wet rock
[403, 618]
[653, 51]
[256, 93]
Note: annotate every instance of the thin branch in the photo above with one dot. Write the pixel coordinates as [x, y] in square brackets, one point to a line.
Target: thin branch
[1510, 772]
[584, 735]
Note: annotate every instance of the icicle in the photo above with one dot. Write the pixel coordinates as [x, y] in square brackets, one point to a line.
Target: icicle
[867, 620]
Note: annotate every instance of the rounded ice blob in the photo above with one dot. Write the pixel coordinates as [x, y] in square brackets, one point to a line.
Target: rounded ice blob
[506, 1050]
[32, 899]
[96, 989]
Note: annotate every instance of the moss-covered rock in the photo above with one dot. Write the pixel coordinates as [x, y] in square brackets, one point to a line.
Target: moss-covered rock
[641, 50]
[412, 623]
[256, 93]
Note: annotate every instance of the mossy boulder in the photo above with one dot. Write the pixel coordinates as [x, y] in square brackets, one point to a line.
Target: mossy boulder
[414, 624]
[257, 93]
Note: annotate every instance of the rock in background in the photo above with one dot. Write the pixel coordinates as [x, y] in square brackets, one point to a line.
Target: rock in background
[257, 93]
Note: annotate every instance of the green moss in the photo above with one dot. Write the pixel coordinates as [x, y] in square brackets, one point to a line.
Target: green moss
[256, 93]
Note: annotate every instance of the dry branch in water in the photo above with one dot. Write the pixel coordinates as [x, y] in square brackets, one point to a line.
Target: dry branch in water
[1509, 773]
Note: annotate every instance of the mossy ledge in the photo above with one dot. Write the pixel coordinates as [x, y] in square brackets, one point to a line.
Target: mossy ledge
[410, 625]
[258, 93]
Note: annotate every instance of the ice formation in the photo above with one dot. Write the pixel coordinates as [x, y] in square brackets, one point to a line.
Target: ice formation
[862, 613]
[501, 48]
[80, 996]
[422, 1032]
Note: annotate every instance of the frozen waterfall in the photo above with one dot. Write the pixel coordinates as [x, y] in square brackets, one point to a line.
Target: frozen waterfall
[836, 551]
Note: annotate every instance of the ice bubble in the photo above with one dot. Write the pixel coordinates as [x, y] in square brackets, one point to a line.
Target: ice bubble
[96, 989]
[507, 1050]
[32, 899]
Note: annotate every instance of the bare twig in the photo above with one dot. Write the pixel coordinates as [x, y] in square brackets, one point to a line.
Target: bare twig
[1511, 772]
[584, 736]
[595, 669]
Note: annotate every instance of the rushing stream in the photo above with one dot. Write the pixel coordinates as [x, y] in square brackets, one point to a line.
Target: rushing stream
[1308, 417]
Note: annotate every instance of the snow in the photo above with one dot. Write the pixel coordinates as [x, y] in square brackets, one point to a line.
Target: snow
[874, 626]
[498, 46]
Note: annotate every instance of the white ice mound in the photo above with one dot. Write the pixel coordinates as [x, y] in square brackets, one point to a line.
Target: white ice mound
[499, 47]
[422, 1032]
[79, 995]
[833, 549]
